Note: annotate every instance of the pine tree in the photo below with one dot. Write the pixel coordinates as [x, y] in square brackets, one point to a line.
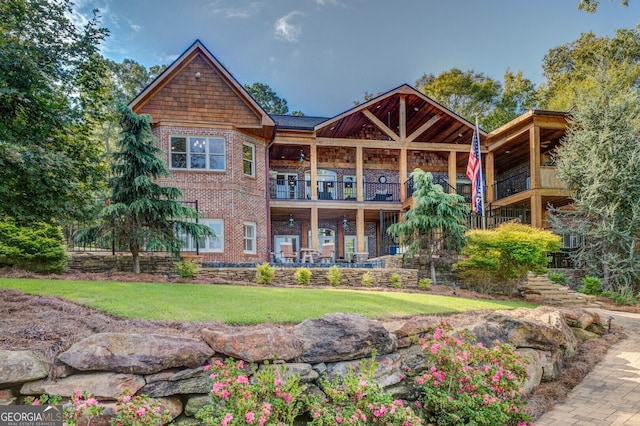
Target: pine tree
[600, 161]
[435, 225]
[140, 212]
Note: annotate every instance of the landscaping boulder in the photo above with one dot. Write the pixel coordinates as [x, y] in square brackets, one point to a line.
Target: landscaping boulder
[540, 328]
[580, 318]
[534, 368]
[101, 385]
[254, 344]
[21, 366]
[183, 382]
[342, 337]
[135, 353]
[552, 363]
[305, 372]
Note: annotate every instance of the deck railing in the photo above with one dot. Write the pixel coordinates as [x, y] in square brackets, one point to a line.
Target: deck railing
[293, 189]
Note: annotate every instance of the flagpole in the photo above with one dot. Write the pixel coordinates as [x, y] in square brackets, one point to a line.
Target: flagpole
[484, 221]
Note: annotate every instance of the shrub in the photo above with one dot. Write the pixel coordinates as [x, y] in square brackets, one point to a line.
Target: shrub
[333, 275]
[506, 253]
[186, 268]
[395, 280]
[356, 399]
[591, 285]
[138, 410]
[424, 283]
[558, 278]
[37, 247]
[264, 273]
[302, 276]
[469, 383]
[366, 280]
[624, 296]
[271, 397]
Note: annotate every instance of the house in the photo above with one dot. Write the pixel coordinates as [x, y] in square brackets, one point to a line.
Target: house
[262, 180]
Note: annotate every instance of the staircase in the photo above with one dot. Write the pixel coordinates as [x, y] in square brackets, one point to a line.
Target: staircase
[539, 289]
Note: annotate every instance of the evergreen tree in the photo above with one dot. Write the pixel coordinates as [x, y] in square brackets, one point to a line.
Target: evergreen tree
[435, 225]
[600, 162]
[141, 212]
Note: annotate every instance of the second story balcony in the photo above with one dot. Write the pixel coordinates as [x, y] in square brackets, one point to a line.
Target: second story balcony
[290, 188]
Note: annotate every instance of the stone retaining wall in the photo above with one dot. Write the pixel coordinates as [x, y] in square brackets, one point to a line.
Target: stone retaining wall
[120, 262]
[349, 277]
[170, 368]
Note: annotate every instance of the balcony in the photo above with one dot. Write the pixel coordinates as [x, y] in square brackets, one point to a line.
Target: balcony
[463, 189]
[294, 189]
[512, 185]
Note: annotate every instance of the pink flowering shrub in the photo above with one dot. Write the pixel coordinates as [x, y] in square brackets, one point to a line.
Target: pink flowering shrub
[139, 410]
[270, 397]
[469, 383]
[82, 405]
[356, 399]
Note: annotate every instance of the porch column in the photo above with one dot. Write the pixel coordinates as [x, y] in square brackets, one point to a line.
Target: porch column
[403, 174]
[489, 177]
[360, 230]
[452, 171]
[534, 157]
[359, 174]
[313, 164]
[536, 211]
[314, 228]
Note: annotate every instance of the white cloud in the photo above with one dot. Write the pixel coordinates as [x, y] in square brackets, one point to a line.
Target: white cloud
[285, 30]
[135, 27]
[218, 8]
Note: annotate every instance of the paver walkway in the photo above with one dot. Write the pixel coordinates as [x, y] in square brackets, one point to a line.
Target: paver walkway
[610, 394]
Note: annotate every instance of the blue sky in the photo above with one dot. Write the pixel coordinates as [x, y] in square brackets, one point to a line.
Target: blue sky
[321, 55]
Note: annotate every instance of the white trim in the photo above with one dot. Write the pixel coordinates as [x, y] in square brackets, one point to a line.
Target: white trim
[203, 247]
[252, 161]
[207, 154]
[253, 239]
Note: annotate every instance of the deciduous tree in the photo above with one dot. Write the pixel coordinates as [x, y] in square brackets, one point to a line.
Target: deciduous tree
[267, 98]
[51, 93]
[465, 93]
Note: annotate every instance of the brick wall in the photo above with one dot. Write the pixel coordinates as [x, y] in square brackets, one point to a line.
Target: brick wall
[228, 195]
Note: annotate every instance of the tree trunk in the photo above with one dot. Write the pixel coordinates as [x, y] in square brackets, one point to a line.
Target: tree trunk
[433, 272]
[135, 259]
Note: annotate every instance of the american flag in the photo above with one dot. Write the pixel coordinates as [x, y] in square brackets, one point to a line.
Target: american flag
[474, 172]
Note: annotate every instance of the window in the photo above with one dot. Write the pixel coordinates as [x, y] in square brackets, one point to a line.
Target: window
[210, 244]
[250, 237]
[197, 153]
[248, 158]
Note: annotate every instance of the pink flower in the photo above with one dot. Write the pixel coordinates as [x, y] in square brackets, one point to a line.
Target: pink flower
[36, 401]
[126, 398]
[434, 348]
[140, 411]
[206, 367]
[437, 334]
[217, 386]
[219, 363]
[277, 382]
[338, 419]
[227, 418]
[377, 413]
[78, 393]
[224, 394]
[242, 380]
[262, 420]
[249, 417]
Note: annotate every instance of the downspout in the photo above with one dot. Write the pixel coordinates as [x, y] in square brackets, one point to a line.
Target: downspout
[268, 193]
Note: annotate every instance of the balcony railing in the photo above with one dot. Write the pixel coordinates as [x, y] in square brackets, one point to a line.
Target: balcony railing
[463, 189]
[513, 185]
[294, 189]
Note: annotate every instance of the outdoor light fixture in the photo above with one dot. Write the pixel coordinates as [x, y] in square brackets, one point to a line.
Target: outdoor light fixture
[291, 221]
[301, 157]
[345, 222]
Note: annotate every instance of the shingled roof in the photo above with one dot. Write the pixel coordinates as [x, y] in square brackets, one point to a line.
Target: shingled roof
[296, 122]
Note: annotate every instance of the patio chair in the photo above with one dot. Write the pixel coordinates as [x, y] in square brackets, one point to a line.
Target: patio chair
[287, 253]
[326, 252]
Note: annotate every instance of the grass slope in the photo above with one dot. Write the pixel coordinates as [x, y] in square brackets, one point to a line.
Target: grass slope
[244, 304]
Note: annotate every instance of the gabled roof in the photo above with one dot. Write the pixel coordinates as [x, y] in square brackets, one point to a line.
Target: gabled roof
[426, 119]
[198, 48]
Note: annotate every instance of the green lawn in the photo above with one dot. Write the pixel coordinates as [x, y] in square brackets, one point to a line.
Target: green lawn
[242, 304]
